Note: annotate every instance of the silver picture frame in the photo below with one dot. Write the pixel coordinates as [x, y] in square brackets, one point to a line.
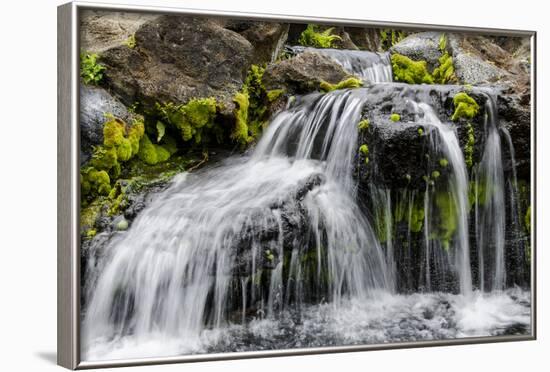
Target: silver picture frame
[68, 187]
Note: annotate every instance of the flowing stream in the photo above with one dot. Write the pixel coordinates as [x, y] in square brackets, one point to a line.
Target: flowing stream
[271, 250]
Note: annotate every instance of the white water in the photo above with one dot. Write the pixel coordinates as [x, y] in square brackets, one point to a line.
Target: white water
[187, 276]
[446, 141]
[490, 206]
[370, 66]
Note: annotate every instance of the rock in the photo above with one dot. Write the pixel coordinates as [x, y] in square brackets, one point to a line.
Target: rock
[267, 38]
[303, 73]
[95, 102]
[365, 39]
[177, 58]
[420, 46]
[102, 30]
[121, 224]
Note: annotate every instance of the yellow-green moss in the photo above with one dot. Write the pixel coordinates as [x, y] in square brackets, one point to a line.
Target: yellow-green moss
[351, 82]
[94, 182]
[420, 131]
[395, 117]
[273, 94]
[151, 153]
[312, 37]
[131, 41]
[416, 216]
[191, 119]
[443, 162]
[465, 107]
[435, 174]
[447, 218]
[240, 131]
[408, 71]
[363, 124]
[445, 72]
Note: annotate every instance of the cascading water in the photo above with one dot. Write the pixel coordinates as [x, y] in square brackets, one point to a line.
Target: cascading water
[370, 66]
[274, 250]
[445, 140]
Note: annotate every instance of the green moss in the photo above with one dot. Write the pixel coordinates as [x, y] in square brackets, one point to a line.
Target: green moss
[445, 72]
[131, 41]
[94, 182]
[443, 162]
[351, 82]
[89, 214]
[90, 70]
[416, 215]
[273, 94]
[420, 131]
[240, 131]
[91, 233]
[192, 119]
[469, 148]
[363, 124]
[150, 153]
[312, 37]
[465, 107]
[435, 174]
[408, 71]
[447, 218]
[395, 117]
[364, 149]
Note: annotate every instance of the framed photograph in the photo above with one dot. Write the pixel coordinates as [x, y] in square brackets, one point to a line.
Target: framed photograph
[236, 185]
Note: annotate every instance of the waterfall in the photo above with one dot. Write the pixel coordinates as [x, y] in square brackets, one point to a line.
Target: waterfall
[491, 217]
[372, 67]
[172, 272]
[445, 141]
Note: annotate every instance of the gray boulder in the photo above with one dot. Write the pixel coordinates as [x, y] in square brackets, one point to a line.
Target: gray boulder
[420, 46]
[95, 102]
[303, 73]
[177, 58]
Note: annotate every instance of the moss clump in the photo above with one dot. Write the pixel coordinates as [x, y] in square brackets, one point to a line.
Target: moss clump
[273, 94]
[443, 162]
[351, 82]
[447, 218]
[445, 72]
[240, 131]
[465, 107]
[90, 70]
[395, 117]
[312, 37]
[151, 153]
[435, 174]
[94, 182]
[408, 71]
[364, 150]
[363, 124]
[420, 131]
[193, 120]
[416, 216]
[469, 148]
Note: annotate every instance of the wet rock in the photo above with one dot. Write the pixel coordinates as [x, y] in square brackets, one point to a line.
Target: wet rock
[365, 39]
[94, 104]
[177, 58]
[303, 73]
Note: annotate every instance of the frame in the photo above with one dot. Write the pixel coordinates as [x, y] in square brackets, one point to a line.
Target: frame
[68, 196]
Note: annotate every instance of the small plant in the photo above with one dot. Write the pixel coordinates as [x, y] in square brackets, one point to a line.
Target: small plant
[311, 37]
[395, 117]
[435, 174]
[443, 162]
[131, 41]
[90, 70]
